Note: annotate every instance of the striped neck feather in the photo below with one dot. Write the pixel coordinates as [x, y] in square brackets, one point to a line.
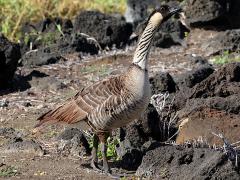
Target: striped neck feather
[143, 48]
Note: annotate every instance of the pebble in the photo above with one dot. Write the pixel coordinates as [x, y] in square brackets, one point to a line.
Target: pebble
[4, 103]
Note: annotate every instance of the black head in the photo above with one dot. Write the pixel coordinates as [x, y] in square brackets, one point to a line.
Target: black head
[166, 11]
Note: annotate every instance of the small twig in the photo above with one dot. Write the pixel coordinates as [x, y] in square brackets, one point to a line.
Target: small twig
[229, 150]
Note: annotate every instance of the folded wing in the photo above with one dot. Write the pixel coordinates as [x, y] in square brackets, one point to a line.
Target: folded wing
[84, 102]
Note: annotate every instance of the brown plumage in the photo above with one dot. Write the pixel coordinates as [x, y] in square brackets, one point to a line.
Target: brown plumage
[116, 101]
[107, 99]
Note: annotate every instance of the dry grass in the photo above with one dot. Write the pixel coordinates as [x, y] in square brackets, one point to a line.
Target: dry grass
[15, 12]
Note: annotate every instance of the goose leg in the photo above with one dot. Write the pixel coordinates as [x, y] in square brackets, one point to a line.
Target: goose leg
[103, 139]
[94, 162]
[104, 156]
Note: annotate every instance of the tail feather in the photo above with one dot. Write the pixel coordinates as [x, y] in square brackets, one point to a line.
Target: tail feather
[69, 113]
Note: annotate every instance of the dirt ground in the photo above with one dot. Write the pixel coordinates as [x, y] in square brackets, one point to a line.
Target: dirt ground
[52, 84]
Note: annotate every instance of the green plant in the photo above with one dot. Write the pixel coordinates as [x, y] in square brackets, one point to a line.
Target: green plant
[186, 34]
[8, 171]
[59, 28]
[111, 150]
[225, 57]
[47, 38]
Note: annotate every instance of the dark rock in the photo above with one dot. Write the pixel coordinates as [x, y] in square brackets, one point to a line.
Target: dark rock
[162, 82]
[47, 83]
[129, 149]
[204, 83]
[186, 82]
[213, 84]
[197, 61]
[21, 83]
[35, 74]
[27, 104]
[9, 133]
[151, 123]
[18, 145]
[194, 77]
[57, 48]
[230, 104]
[204, 11]
[73, 142]
[227, 41]
[234, 14]
[48, 25]
[215, 13]
[9, 56]
[173, 162]
[44, 33]
[40, 57]
[78, 43]
[211, 105]
[155, 124]
[106, 29]
[181, 97]
[171, 32]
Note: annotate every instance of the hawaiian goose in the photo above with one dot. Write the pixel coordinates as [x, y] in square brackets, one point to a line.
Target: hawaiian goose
[116, 101]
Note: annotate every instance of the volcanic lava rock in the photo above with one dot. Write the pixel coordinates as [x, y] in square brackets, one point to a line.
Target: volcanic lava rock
[212, 86]
[197, 61]
[9, 133]
[215, 13]
[47, 83]
[203, 11]
[44, 32]
[73, 142]
[174, 162]
[130, 147]
[58, 48]
[40, 57]
[9, 56]
[221, 83]
[106, 29]
[172, 32]
[50, 40]
[20, 146]
[162, 82]
[226, 41]
[229, 104]
[48, 25]
[194, 76]
[211, 106]
[234, 13]
[186, 82]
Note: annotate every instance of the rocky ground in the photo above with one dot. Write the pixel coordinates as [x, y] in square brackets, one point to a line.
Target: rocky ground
[186, 133]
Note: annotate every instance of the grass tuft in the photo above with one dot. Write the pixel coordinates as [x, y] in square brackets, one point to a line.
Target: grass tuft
[225, 57]
[15, 12]
[8, 171]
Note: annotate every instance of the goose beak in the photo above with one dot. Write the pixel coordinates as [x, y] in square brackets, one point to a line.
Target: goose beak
[174, 11]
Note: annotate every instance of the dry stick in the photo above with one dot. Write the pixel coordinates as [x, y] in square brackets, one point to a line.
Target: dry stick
[228, 148]
[159, 102]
